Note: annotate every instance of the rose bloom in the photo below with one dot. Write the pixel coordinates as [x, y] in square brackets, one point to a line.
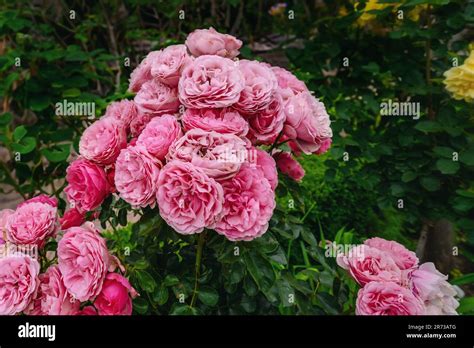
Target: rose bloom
[404, 258]
[42, 198]
[260, 87]
[168, 65]
[142, 72]
[83, 260]
[123, 112]
[87, 185]
[387, 298]
[87, 310]
[18, 282]
[267, 165]
[159, 134]
[225, 121]
[189, 200]
[209, 42]
[309, 120]
[52, 297]
[210, 82]
[367, 264]
[116, 296]
[288, 84]
[32, 224]
[72, 217]
[102, 141]
[434, 290]
[289, 166]
[136, 176]
[460, 80]
[325, 145]
[249, 202]
[219, 155]
[266, 125]
[156, 98]
[139, 123]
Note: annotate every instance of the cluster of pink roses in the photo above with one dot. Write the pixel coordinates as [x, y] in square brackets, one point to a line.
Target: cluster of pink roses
[188, 140]
[393, 282]
[78, 278]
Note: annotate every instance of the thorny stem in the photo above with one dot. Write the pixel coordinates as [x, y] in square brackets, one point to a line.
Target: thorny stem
[202, 238]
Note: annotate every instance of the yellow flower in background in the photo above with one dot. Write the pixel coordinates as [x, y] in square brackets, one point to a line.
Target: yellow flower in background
[369, 6]
[460, 80]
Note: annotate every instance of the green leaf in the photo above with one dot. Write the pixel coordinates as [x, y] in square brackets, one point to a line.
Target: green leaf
[409, 176]
[26, 145]
[443, 151]
[71, 93]
[146, 281]
[183, 310]
[466, 305]
[19, 133]
[463, 280]
[57, 155]
[140, 305]
[467, 157]
[122, 217]
[446, 166]
[208, 296]
[260, 270]
[5, 118]
[170, 280]
[429, 126]
[430, 183]
[161, 295]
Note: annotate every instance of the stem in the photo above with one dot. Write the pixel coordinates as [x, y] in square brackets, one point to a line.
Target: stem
[202, 238]
[275, 143]
[428, 66]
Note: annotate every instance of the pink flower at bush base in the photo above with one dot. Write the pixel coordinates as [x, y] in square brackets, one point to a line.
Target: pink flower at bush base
[219, 155]
[102, 141]
[71, 218]
[159, 134]
[224, 121]
[83, 260]
[32, 223]
[156, 98]
[367, 264]
[266, 125]
[188, 199]
[208, 41]
[87, 185]
[168, 65]
[289, 166]
[115, 297]
[52, 297]
[387, 298]
[18, 282]
[404, 258]
[210, 82]
[136, 176]
[267, 165]
[249, 202]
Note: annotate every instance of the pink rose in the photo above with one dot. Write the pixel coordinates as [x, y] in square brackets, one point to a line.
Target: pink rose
[159, 134]
[210, 82]
[142, 72]
[32, 224]
[266, 125]
[309, 119]
[83, 260]
[208, 41]
[288, 84]
[367, 264]
[289, 166]
[260, 87]
[169, 64]
[87, 310]
[87, 185]
[156, 98]
[226, 121]
[404, 258]
[189, 200]
[42, 198]
[123, 112]
[432, 288]
[18, 282]
[267, 165]
[249, 202]
[387, 298]
[114, 299]
[102, 141]
[72, 217]
[136, 176]
[219, 155]
[324, 146]
[52, 297]
[139, 123]
[110, 176]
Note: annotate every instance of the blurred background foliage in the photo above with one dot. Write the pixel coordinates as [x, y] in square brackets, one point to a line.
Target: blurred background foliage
[386, 176]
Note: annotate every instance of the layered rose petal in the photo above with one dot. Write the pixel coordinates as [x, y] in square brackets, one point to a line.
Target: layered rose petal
[123, 112]
[267, 165]
[209, 42]
[249, 202]
[136, 176]
[289, 166]
[168, 65]
[288, 84]
[156, 98]
[115, 297]
[404, 258]
[266, 125]
[142, 72]
[225, 121]
[189, 200]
